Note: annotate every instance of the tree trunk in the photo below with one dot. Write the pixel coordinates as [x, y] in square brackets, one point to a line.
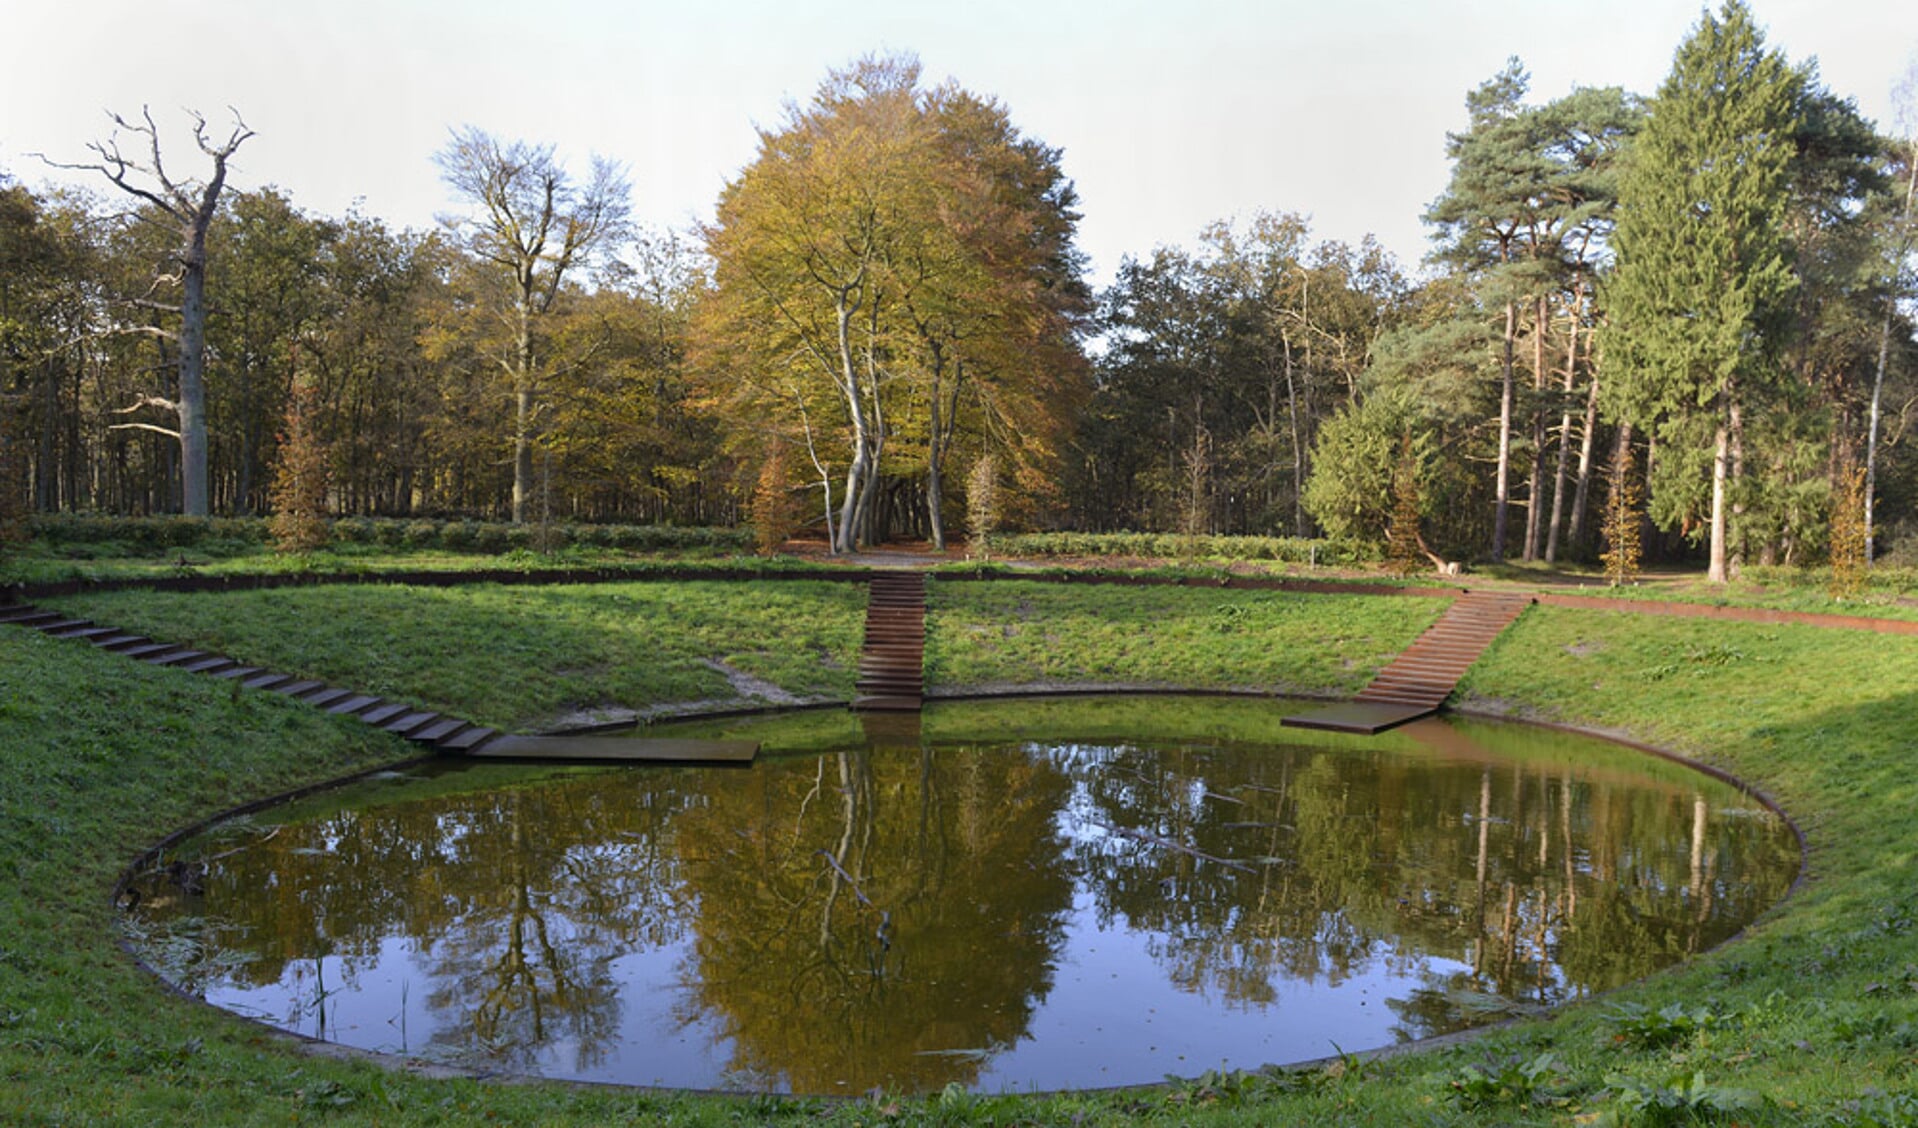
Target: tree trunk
[1534, 509]
[1585, 461]
[859, 468]
[1564, 427]
[1721, 455]
[1504, 435]
[1299, 527]
[934, 450]
[1884, 357]
[193, 445]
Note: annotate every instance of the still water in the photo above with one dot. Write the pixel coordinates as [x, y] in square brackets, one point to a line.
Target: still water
[1017, 895]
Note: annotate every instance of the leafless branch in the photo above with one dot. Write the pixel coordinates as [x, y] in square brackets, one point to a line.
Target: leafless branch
[175, 435]
[147, 401]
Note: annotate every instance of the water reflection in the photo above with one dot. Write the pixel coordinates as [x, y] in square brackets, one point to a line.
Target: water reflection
[1000, 914]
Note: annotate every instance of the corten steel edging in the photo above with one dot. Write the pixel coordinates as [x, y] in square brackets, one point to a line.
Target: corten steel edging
[405, 1064]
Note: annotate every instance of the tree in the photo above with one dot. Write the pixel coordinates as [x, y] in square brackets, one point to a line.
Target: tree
[893, 271]
[982, 505]
[534, 225]
[1623, 550]
[1489, 215]
[1702, 270]
[299, 480]
[1903, 237]
[186, 208]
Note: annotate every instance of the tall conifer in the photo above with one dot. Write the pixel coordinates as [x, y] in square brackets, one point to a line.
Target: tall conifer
[1703, 269]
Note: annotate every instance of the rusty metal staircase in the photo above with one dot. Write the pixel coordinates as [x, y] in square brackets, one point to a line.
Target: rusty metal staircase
[892, 675]
[1418, 681]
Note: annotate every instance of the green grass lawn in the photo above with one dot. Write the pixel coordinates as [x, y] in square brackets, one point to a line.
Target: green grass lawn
[1012, 632]
[1811, 1018]
[514, 657]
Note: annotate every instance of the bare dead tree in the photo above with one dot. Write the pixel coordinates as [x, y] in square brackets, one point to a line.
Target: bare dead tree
[187, 206]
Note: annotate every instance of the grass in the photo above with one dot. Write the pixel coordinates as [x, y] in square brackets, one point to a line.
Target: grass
[1024, 633]
[1812, 1018]
[516, 657]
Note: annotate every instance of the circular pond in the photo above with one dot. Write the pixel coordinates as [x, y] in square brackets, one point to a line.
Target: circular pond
[1006, 896]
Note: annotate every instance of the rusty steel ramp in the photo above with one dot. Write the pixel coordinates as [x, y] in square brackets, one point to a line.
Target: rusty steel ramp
[892, 676]
[1418, 681]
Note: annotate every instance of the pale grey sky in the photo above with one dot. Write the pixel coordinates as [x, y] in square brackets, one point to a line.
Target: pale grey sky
[1171, 115]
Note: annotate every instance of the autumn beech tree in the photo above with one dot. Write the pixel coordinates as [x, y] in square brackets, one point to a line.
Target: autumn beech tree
[532, 226]
[895, 277]
[185, 207]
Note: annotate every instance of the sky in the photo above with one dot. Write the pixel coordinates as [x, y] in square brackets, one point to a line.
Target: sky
[1170, 115]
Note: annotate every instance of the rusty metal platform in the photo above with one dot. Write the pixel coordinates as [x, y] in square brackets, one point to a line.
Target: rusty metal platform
[1366, 718]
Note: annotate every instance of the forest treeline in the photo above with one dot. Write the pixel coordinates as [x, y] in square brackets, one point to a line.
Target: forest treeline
[1702, 295]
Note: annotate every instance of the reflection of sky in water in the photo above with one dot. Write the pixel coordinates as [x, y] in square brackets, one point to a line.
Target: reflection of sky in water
[1151, 949]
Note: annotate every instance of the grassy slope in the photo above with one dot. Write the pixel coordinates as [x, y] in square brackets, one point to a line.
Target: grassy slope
[1012, 632]
[1817, 1010]
[511, 656]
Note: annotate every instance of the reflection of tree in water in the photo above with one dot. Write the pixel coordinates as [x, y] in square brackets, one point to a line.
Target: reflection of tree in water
[877, 919]
[523, 897]
[893, 918]
[1531, 882]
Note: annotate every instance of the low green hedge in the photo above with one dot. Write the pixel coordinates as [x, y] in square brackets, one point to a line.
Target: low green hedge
[161, 534]
[1289, 550]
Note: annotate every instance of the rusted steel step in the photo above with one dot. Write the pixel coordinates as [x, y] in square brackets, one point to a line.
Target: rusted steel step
[35, 618]
[148, 650]
[174, 659]
[212, 663]
[121, 641]
[299, 688]
[355, 703]
[876, 704]
[88, 634]
[384, 713]
[19, 611]
[407, 723]
[58, 626]
[437, 731]
[469, 740]
[320, 699]
[267, 680]
[236, 672]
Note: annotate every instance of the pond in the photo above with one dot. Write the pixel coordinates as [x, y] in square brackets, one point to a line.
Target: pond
[1009, 895]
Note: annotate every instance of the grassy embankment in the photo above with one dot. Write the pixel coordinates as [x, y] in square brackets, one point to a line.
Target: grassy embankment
[1813, 1018]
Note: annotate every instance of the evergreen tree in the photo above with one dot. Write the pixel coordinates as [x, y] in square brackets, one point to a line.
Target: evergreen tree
[1703, 269]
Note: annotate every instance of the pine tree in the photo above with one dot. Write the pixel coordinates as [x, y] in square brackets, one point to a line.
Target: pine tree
[1698, 294]
[299, 523]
